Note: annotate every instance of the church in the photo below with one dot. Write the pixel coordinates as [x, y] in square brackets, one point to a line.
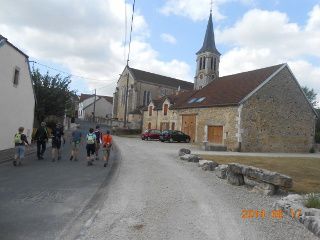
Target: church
[263, 110]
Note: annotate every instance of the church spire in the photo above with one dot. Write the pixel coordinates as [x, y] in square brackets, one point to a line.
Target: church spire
[209, 43]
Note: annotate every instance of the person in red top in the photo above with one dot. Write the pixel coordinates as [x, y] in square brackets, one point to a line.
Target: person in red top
[106, 146]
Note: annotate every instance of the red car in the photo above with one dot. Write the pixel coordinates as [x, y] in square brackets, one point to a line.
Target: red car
[151, 134]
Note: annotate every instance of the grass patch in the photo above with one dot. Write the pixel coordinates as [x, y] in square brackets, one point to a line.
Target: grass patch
[312, 201]
[305, 172]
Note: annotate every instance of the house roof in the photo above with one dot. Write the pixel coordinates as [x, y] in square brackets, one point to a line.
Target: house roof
[2, 38]
[229, 90]
[85, 96]
[208, 42]
[160, 79]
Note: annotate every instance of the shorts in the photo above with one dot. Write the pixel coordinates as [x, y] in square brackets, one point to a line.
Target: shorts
[56, 143]
[20, 151]
[97, 146]
[90, 149]
[75, 145]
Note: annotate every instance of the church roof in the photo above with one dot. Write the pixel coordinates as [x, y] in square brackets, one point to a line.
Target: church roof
[229, 90]
[149, 77]
[208, 42]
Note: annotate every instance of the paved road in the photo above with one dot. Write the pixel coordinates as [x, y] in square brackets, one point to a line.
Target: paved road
[153, 195]
[40, 199]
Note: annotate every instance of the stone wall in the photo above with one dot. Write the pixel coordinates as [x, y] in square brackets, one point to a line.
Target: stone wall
[219, 116]
[278, 118]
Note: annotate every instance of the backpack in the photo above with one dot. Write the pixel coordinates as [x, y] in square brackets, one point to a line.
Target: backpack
[91, 138]
[17, 138]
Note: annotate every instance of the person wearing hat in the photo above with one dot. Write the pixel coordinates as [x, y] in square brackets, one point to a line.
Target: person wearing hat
[41, 136]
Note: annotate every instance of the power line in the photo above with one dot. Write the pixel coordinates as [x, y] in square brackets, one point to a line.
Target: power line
[69, 74]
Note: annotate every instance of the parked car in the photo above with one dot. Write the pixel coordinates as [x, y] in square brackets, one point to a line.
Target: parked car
[151, 134]
[173, 135]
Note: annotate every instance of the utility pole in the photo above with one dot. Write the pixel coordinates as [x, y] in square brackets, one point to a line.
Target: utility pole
[94, 105]
[126, 101]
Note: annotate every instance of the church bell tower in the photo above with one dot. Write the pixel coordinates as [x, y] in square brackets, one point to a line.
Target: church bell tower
[208, 58]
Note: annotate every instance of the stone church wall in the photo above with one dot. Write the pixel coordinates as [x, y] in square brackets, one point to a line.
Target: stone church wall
[278, 118]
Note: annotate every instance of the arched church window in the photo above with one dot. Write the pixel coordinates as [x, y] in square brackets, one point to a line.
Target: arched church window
[215, 64]
[144, 98]
[204, 62]
[211, 63]
[200, 66]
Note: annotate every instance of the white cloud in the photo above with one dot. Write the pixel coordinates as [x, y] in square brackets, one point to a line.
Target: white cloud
[264, 38]
[198, 9]
[85, 38]
[166, 37]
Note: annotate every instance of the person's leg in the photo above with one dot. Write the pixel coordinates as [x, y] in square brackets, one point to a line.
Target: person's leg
[53, 152]
[39, 149]
[59, 150]
[88, 154]
[43, 144]
[75, 152]
[16, 156]
[21, 154]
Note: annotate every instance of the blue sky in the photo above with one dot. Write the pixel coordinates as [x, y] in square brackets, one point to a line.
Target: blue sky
[88, 39]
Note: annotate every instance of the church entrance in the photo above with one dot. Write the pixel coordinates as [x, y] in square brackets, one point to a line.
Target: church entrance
[189, 125]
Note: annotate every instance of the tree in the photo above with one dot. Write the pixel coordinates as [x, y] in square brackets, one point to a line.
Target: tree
[52, 94]
[311, 95]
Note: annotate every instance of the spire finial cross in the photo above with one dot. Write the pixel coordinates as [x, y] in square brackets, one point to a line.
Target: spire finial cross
[211, 3]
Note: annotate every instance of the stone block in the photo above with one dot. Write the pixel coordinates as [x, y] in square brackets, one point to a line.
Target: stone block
[209, 166]
[235, 178]
[261, 175]
[221, 171]
[184, 151]
[190, 158]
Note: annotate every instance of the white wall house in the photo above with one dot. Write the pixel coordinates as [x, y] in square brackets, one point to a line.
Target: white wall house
[17, 100]
[103, 108]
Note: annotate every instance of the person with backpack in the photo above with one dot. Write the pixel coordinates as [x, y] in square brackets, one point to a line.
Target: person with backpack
[75, 141]
[98, 134]
[91, 146]
[20, 140]
[57, 135]
[41, 136]
[106, 147]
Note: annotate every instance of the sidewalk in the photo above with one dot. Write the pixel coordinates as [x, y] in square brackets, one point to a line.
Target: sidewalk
[8, 154]
[254, 154]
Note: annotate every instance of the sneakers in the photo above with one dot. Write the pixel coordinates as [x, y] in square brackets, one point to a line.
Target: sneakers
[14, 163]
[72, 158]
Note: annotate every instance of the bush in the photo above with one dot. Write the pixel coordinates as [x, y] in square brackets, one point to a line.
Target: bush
[312, 150]
[312, 201]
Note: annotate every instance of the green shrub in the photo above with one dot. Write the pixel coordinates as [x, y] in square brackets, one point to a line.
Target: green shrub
[312, 150]
[312, 201]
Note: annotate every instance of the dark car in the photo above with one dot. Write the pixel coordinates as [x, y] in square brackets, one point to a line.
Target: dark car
[174, 136]
[151, 134]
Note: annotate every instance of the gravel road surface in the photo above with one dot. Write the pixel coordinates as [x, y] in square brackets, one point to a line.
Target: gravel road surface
[153, 195]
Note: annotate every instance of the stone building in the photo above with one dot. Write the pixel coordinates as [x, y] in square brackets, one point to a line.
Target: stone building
[142, 88]
[263, 110]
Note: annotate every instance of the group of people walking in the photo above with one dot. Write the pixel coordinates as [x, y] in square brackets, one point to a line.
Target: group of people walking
[93, 139]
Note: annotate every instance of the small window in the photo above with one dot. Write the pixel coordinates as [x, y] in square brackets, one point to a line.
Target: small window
[16, 77]
[192, 100]
[165, 109]
[150, 110]
[201, 99]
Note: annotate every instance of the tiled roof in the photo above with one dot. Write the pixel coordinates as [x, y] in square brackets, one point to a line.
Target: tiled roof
[159, 79]
[228, 90]
[85, 96]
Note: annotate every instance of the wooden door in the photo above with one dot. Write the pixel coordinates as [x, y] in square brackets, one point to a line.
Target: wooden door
[189, 126]
[164, 126]
[215, 134]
